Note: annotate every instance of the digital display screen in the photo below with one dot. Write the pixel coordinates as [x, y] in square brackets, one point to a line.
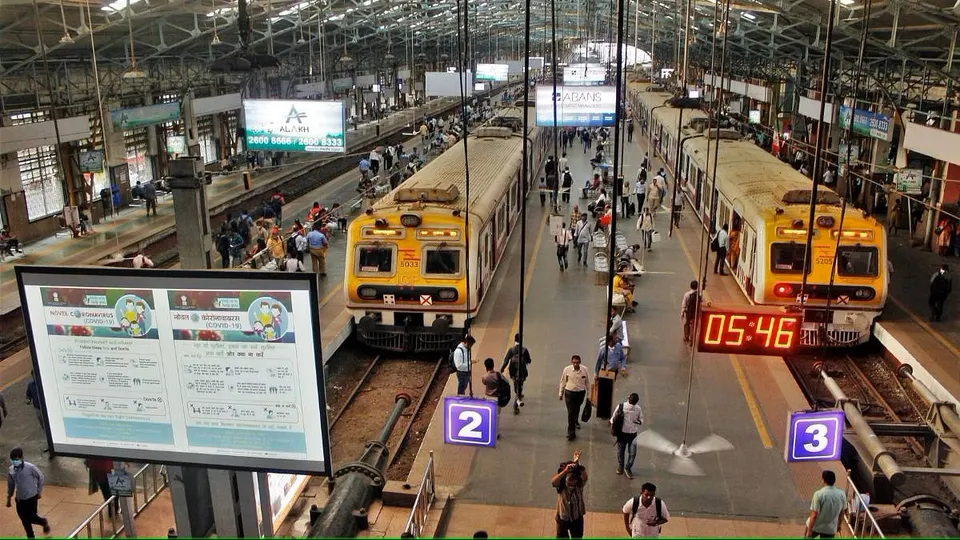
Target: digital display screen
[586, 106]
[294, 125]
[218, 369]
[750, 332]
[492, 72]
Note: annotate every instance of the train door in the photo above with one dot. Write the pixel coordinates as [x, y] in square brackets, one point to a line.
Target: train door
[501, 231]
[484, 259]
[698, 194]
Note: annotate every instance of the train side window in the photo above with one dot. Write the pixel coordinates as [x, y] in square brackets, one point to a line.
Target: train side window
[858, 261]
[786, 258]
[372, 259]
[442, 261]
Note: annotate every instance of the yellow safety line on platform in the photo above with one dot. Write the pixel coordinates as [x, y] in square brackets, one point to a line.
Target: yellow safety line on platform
[737, 368]
[528, 278]
[923, 324]
[327, 297]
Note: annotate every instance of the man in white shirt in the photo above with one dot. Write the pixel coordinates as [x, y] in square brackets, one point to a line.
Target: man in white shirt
[645, 517]
[828, 177]
[626, 421]
[723, 243]
[563, 240]
[292, 264]
[581, 235]
[564, 163]
[574, 382]
[461, 362]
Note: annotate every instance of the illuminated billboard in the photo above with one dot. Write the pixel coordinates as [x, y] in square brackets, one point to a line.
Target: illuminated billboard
[592, 106]
[294, 125]
[205, 368]
[492, 72]
[582, 75]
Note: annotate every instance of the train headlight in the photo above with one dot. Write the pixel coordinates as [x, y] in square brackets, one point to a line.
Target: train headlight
[783, 290]
[410, 220]
[864, 293]
[367, 292]
[447, 295]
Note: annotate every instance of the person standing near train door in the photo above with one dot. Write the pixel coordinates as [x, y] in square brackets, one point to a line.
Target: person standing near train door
[722, 243]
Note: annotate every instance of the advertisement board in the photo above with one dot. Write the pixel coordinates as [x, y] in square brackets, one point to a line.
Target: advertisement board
[492, 72]
[450, 84]
[91, 161]
[288, 125]
[584, 75]
[577, 106]
[866, 123]
[909, 181]
[754, 116]
[176, 144]
[205, 368]
[145, 116]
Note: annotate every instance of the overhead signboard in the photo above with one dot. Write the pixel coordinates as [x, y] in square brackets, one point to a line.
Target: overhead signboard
[471, 422]
[866, 123]
[91, 161]
[294, 125]
[756, 331]
[176, 144]
[214, 369]
[754, 116]
[584, 75]
[451, 84]
[145, 116]
[577, 106]
[492, 72]
[909, 181]
[814, 436]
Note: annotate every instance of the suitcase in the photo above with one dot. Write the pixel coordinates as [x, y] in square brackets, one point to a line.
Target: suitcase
[603, 400]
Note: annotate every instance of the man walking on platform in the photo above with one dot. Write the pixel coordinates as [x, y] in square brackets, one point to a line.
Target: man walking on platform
[26, 480]
[517, 360]
[625, 423]
[941, 285]
[829, 503]
[574, 382]
[150, 197]
[688, 310]
[317, 241]
[645, 514]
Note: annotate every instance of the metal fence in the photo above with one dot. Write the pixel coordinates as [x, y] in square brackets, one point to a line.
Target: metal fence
[860, 521]
[426, 494]
[148, 482]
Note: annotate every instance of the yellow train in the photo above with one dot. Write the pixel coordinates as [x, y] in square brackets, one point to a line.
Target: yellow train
[767, 203]
[408, 256]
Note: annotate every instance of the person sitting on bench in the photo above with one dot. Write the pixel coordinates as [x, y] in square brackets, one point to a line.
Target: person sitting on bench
[137, 191]
[10, 243]
[623, 286]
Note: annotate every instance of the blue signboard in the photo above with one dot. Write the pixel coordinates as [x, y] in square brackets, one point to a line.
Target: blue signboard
[814, 436]
[866, 123]
[469, 421]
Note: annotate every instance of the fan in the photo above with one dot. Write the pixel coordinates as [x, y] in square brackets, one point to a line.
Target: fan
[683, 463]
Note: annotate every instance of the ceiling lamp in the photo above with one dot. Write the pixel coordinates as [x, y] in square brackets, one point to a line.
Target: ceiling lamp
[389, 58]
[345, 59]
[215, 40]
[133, 72]
[216, 36]
[66, 39]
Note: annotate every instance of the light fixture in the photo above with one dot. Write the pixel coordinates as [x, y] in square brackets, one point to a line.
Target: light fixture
[216, 36]
[133, 72]
[66, 39]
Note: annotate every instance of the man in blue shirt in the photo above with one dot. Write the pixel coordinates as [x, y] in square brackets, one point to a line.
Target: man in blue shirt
[612, 350]
[317, 242]
[27, 481]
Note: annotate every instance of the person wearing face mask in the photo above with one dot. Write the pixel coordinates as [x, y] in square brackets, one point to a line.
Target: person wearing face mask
[26, 480]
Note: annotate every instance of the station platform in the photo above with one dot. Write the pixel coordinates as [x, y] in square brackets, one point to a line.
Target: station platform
[749, 490]
[132, 228]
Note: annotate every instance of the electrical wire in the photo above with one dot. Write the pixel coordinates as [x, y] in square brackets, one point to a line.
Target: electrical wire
[461, 61]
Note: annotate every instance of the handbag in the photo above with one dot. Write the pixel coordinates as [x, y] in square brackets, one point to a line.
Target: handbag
[562, 249]
[587, 411]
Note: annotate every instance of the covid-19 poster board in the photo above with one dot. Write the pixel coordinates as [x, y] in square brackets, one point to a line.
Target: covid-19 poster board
[206, 368]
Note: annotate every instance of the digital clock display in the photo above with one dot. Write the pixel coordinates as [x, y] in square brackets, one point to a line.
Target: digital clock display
[748, 331]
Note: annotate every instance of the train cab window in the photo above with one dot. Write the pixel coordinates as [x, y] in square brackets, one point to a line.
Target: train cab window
[786, 258]
[375, 259]
[442, 261]
[857, 261]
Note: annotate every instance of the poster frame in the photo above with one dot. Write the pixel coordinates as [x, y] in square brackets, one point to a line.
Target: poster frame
[188, 277]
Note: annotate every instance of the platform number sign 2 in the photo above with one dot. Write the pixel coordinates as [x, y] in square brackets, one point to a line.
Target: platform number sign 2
[814, 436]
[472, 422]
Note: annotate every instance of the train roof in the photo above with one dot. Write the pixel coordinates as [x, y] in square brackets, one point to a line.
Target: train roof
[494, 154]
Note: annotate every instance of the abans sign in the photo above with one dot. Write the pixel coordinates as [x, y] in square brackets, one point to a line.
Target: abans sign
[576, 106]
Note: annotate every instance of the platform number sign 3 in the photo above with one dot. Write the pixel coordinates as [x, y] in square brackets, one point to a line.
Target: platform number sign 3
[814, 436]
[468, 421]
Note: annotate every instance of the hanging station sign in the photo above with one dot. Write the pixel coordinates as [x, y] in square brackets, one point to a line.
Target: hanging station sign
[866, 123]
[287, 125]
[145, 116]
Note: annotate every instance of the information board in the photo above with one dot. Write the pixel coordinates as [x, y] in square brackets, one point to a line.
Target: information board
[583, 75]
[294, 125]
[492, 72]
[176, 144]
[472, 422]
[814, 436]
[592, 106]
[208, 368]
[909, 181]
[91, 161]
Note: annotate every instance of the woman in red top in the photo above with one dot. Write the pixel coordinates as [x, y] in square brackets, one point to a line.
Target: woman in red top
[314, 212]
[99, 469]
[297, 227]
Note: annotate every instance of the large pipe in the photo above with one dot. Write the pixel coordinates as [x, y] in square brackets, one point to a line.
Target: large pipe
[880, 455]
[357, 484]
[947, 413]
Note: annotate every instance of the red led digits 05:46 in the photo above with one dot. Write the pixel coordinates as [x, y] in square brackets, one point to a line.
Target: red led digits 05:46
[759, 332]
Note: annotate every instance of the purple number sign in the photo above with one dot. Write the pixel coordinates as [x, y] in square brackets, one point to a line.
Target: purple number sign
[469, 421]
[814, 436]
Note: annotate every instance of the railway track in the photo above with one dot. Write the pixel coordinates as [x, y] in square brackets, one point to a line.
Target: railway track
[369, 402]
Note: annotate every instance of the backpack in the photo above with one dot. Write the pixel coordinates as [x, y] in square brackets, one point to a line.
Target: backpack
[616, 425]
[715, 242]
[223, 242]
[636, 507]
[452, 363]
[503, 391]
[940, 285]
[691, 305]
[292, 245]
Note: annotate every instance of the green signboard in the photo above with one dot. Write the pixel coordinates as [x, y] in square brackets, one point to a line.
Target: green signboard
[145, 116]
[294, 125]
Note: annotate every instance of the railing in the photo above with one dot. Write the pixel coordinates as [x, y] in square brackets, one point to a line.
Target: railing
[148, 482]
[860, 521]
[426, 494]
